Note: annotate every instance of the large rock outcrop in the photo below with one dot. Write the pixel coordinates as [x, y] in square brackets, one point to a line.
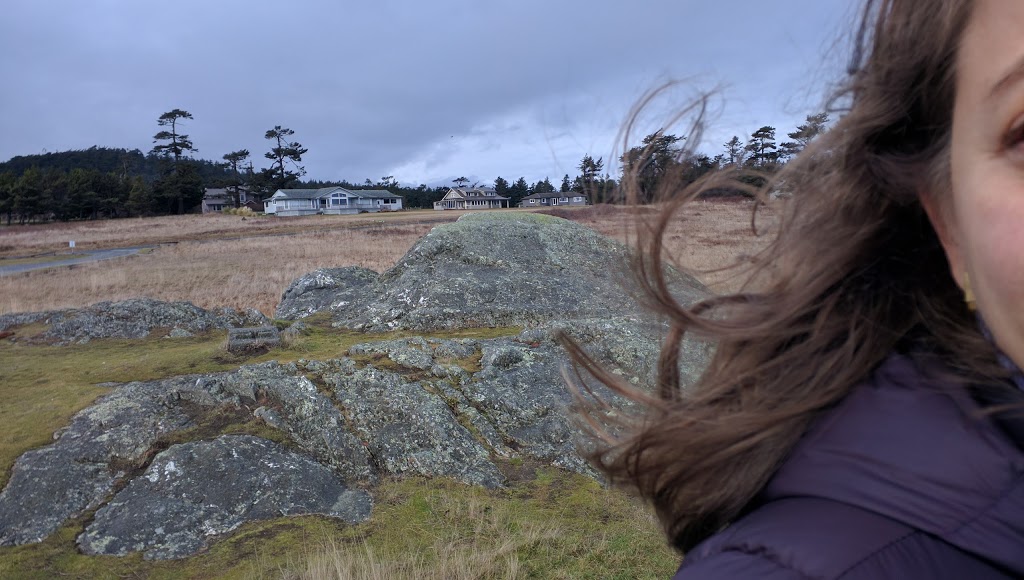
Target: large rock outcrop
[133, 318]
[325, 289]
[465, 409]
[486, 269]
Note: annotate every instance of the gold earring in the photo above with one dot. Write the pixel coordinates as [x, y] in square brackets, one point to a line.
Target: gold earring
[969, 294]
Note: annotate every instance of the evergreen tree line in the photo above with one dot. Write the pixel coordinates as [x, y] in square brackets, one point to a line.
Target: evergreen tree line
[109, 183]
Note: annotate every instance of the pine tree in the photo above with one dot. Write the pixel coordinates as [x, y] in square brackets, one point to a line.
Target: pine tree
[814, 126]
[763, 151]
[283, 154]
[234, 162]
[734, 150]
[177, 144]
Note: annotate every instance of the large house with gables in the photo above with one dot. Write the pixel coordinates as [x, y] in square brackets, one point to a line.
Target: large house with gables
[331, 200]
[471, 198]
[554, 198]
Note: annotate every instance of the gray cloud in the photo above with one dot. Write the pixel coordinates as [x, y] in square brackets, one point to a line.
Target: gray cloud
[419, 90]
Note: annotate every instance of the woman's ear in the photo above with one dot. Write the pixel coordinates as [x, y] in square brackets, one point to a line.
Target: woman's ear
[945, 228]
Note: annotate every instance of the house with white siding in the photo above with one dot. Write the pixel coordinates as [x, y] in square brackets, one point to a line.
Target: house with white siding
[331, 200]
[471, 198]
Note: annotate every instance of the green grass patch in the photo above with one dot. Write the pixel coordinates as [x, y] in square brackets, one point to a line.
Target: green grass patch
[555, 525]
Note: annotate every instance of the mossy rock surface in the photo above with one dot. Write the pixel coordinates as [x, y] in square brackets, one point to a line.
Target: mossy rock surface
[485, 269]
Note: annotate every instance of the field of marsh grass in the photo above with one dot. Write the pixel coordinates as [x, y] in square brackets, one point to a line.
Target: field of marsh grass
[223, 261]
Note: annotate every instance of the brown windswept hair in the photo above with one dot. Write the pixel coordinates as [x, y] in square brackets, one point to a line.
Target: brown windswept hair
[855, 272]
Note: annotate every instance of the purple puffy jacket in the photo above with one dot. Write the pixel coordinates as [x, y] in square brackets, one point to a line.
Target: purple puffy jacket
[902, 480]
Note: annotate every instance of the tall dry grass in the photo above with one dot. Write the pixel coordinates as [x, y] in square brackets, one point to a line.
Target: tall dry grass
[251, 268]
[240, 273]
[35, 239]
[704, 237]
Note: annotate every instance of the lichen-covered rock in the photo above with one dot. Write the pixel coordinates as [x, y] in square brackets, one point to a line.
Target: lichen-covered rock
[324, 289]
[253, 339]
[411, 431]
[299, 409]
[197, 490]
[54, 483]
[133, 318]
[413, 352]
[497, 269]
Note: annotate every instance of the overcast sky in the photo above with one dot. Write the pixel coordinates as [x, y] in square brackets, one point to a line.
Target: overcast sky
[424, 91]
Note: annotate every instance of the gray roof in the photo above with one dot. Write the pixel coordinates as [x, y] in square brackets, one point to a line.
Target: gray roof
[478, 193]
[554, 194]
[306, 193]
[212, 193]
[373, 193]
[318, 193]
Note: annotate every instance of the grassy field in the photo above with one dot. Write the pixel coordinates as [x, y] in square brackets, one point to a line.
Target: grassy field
[223, 261]
[547, 523]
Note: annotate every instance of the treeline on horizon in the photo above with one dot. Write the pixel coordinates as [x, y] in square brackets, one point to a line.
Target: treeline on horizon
[102, 182]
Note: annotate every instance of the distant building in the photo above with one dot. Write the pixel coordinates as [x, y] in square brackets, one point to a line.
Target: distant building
[554, 198]
[330, 200]
[215, 200]
[471, 198]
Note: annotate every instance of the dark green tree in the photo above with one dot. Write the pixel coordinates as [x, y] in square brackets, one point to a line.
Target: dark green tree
[647, 166]
[460, 181]
[589, 172]
[762, 149]
[543, 186]
[501, 186]
[7, 183]
[140, 197]
[814, 126]
[177, 144]
[284, 154]
[174, 145]
[734, 150]
[566, 184]
[517, 191]
[28, 195]
[179, 189]
[235, 163]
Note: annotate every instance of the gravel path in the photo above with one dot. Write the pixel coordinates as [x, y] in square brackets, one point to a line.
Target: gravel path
[92, 256]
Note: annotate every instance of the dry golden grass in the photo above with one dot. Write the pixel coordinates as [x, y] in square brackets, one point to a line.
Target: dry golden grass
[31, 240]
[704, 236]
[240, 273]
[223, 261]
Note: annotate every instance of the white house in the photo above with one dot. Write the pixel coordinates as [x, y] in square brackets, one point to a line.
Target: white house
[331, 200]
[471, 198]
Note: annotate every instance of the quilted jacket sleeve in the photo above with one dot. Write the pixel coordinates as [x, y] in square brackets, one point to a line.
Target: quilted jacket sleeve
[735, 564]
[803, 538]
